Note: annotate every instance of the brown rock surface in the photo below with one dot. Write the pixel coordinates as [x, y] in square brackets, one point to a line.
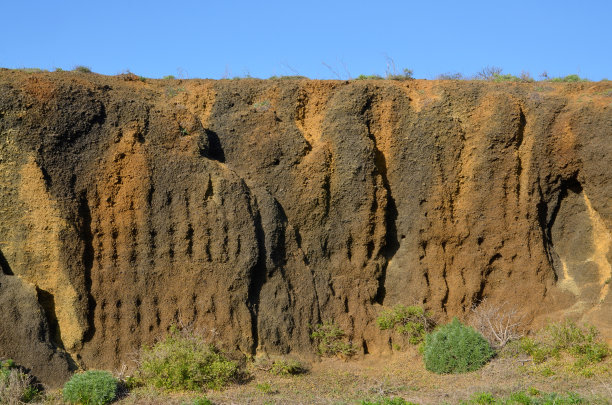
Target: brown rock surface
[257, 208]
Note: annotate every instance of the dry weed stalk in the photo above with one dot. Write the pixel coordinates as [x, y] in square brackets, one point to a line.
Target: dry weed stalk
[13, 387]
[498, 323]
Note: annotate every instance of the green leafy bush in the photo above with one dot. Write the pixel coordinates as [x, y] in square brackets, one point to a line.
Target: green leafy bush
[15, 385]
[331, 340]
[93, 387]
[287, 367]
[412, 321]
[455, 348]
[184, 361]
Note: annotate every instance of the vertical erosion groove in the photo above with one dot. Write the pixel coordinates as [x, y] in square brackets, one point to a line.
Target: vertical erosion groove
[88, 259]
[4, 265]
[391, 243]
[258, 276]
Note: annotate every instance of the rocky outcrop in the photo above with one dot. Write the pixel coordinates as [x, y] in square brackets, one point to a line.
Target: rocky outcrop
[254, 208]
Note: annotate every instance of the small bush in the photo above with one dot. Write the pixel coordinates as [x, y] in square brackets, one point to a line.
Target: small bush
[530, 397]
[184, 361]
[498, 323]
[287, 367]
[202, 401]
[81, 69]
[412, 321]
[93, 387]
[450, 76]
[582, 343]
[488, 73]
[369, 77]
[569, 79]
[16, 386]
[169, 77]
[455, 348]
[266, 388]
[406, 75]
[331, 340]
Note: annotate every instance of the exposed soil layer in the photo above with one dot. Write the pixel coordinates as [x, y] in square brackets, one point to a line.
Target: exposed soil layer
[257, 208]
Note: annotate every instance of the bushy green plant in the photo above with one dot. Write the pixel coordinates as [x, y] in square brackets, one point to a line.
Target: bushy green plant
[287, 367]
[15, 385]
[169, 77]
[93, 387]
[455, 348]
[412, 321]
[184, 361]
[331, 340]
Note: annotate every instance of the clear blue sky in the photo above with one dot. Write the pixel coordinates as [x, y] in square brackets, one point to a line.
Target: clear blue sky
[213, 39]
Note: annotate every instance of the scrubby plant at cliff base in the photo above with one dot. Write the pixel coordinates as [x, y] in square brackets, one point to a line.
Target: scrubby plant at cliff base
[93, 387]
[16, 386]
[582, 343]
[412, 321]
[287, 367]
[455, 348]
[331, 340]
[184, 361]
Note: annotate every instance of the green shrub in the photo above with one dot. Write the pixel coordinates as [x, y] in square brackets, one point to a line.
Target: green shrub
[531, 397]
[81, 69]
[331, 340]
[582, 343]
[184, 361]
[15, 385]
[455, 348]
[202, 401]
[93, 387]
[287, 367]
[412, 321]
[569, 79]
[369, 77]
[169, 77]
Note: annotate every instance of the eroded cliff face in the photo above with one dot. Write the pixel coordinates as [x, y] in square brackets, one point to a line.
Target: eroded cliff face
[257, 208]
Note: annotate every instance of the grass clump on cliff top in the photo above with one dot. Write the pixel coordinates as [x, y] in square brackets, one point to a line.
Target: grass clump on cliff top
[185, 361]
[93, 387]
[412, 321]
[455, 348]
